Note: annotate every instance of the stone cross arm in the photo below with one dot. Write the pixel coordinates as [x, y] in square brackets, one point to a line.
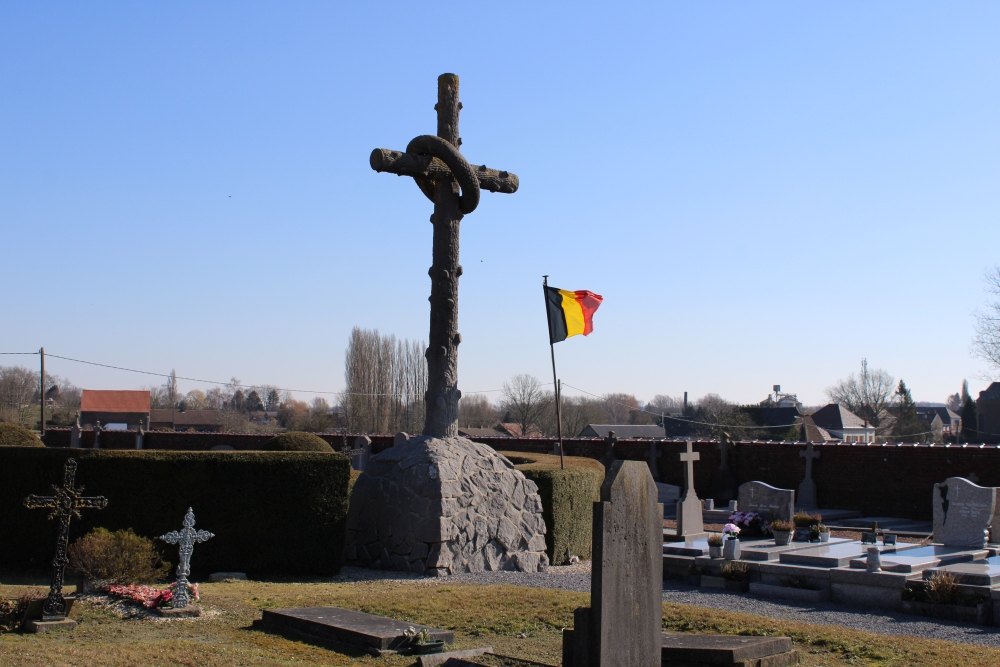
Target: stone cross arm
[384, 160]
[178, 537]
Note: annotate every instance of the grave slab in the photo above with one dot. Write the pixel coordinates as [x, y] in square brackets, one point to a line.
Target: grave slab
[38, 626]
[835, 555]
[376, 633]
[433, 659]
[683, 648]
[921, 558]
[769, 551]
[977, 573]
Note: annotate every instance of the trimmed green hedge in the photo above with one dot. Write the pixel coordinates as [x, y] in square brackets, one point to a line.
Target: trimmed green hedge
[12, 435]
[297, 441]
[568, 498]
[271, 512]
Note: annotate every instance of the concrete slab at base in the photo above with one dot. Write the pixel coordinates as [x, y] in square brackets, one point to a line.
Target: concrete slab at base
[435, 659]
[49, 626]
[681, 648]
[808, 595]
[190, 611]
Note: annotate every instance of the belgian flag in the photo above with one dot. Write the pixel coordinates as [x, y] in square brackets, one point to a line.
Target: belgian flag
[570, 313]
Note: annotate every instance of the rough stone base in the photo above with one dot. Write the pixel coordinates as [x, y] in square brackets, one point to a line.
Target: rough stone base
[445, 506]
[190, 611]
[49, 626]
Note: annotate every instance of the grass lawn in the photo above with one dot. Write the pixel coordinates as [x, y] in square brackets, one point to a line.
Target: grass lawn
[521, 622]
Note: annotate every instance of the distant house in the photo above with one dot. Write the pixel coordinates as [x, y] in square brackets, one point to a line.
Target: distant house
[469, 432]
[187, 420]
[943, 421]
[813, 433]
[623, 431]
[988, 414]
[512, 429]
[843, 424]
[114, 408]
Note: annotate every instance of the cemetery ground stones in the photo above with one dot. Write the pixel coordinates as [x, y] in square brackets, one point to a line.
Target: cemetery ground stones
[963, 512]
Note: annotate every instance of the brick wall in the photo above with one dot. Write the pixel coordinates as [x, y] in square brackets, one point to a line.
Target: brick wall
[876, 479]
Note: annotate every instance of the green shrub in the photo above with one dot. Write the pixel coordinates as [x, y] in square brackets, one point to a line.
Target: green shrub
[121, 557]
[715, 540]
[12, 435]
[568, 498]
[271, 512]
[735, 570]
[12, 611]
[297, 441]
[805, 520]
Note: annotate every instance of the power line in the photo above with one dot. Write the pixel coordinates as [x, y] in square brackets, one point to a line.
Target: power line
[21, 353]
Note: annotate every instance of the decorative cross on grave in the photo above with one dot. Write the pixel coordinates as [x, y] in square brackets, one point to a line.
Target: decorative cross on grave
[689, 518]
[610, 440]
[186, 538]
[806, 495]
[65, 502]
[439, 170]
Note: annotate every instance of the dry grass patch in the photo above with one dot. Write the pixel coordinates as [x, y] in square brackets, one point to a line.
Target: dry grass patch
[522, 622]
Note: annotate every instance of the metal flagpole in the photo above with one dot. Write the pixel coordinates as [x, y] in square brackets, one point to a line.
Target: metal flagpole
[555, 381]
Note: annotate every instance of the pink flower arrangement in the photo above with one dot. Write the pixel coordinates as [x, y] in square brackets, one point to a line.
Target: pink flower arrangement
[148, 597]
[731, 530]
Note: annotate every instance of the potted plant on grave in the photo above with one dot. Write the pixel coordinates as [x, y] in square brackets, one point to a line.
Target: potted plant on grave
[782, 531]
[803, 525]
[737, 576]
[822, 532]
[715, 546]
[731, 547]
[422, 642]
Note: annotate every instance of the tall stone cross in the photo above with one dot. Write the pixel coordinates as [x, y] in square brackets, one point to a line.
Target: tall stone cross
[186, 538]
[690, 522]
[440, 170]
[65, 502]
[806, 496]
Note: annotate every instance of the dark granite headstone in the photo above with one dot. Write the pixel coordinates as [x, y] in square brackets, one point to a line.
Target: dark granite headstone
[761, 497]
[963, 512]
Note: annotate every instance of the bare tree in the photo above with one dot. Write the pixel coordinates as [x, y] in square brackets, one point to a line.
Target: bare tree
[619, 408]
[868, 395]
[986, 342]
[18, 390]
[172, 394]
[524, 402]
[385, 382]
[194, 400]
[476, 411]
[580, 411]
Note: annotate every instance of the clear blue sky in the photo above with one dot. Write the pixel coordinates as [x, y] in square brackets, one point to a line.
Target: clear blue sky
[762, 192]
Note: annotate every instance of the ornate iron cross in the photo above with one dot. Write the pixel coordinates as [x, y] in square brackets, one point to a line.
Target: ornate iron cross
[440, 170]
[186, 538]
[65, 502]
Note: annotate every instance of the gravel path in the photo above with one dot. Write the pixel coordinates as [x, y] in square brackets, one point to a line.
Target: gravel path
[577, 578]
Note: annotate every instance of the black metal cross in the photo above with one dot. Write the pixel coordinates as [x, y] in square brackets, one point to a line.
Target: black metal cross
[440, 170]
[65, 502]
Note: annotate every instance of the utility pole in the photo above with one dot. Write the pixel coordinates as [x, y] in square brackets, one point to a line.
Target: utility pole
[41, 384]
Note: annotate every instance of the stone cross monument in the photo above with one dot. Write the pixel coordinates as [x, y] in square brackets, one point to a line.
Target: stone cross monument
[438, 503]
[689, 517]
[186, 538]
[440, 170]
[65, 502]
[806, 495]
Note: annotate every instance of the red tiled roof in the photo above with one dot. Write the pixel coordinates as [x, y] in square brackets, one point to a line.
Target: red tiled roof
[101, 400]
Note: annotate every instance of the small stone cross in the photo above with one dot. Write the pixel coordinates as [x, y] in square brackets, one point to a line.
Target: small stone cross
[186, 538]
[689, 457]
[440, 170]
[725, 446]
[610, 440]
[65, 502]
[806, 496]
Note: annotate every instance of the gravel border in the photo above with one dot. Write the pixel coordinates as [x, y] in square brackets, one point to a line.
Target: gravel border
[577, 578]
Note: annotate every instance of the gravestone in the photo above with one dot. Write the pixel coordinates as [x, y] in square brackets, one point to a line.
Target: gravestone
[622, 626]
[74, 434]
[138, 437]
[400, 438]
[360, 453]
[724, 481]
[653, 459]
[963, 512]
[807, 489]
[610, 440]
[689, 508]
[97, 435]
[760, 497]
